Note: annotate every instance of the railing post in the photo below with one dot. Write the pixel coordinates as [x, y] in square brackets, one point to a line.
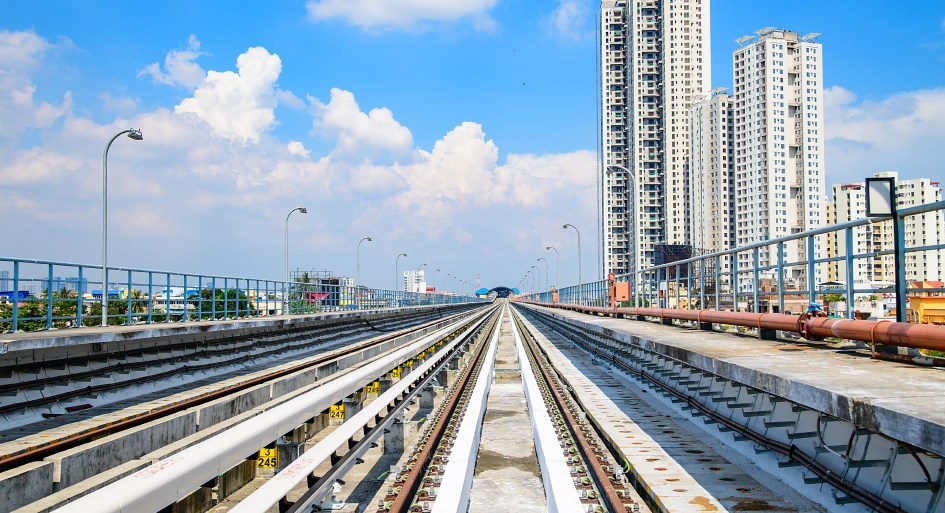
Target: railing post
[226, 298]
[213, 298]
[757, 276]
[128, 313]
[781, 277]
[849, 259]
[79, 305]
[49, 298]
[16, 295]
[678, 283]
[200, 298]
[150, 295]
[735, 281]
[718, 282]
[167, 299]
[811, 282]
[902, 287]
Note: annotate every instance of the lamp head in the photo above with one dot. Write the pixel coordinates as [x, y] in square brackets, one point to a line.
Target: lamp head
[368, 239]
[303, 210]
[135, 134]
[565, 227]
[547, 248]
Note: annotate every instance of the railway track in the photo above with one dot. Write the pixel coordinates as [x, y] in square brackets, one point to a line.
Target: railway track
[27, 454]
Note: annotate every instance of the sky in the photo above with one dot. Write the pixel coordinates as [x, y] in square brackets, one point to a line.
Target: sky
[461, 133]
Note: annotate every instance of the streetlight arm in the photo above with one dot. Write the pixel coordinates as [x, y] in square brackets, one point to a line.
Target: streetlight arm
[135, 134]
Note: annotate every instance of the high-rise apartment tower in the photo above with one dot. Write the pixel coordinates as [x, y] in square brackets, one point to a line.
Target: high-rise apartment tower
[654, 61]
[779, 143]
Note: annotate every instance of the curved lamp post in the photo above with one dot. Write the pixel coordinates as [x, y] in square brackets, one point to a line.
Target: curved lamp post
[557, 265]
[634, 265]
[133, 134]
[285, 294]
[433, 279]
[547, 275]
[580, 295]
[358, 286]
[397, 271]
[537, 272]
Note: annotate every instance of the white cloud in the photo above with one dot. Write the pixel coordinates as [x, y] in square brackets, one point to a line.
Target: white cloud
[570, 19]
[37, 165]
[901, 132]
[358, 133]
[180, 66]
[297, 148]
[19, 50]
[122, 104]
[402, 14]
[239, 106]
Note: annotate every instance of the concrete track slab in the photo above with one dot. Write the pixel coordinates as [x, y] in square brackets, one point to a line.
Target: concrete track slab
[905, 402]
[507, 476]
[679, 472]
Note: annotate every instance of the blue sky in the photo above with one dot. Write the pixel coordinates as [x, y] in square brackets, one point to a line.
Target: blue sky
[480, 148]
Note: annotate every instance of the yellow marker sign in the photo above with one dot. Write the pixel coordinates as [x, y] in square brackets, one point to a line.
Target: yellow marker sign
[396, 373]
[268, 458]
[374, 388]
[337, 411]
[408, 363]
[423, 354]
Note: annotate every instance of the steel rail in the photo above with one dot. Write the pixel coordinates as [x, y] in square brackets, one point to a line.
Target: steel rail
[613, 500]
[207, 353]
[10, 461]
[403, 501]
[382, 412]
[845, 486]
[904, 334]
[175, 477]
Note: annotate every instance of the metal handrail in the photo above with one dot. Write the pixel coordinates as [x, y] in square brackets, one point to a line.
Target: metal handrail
[172, 296]
[742, 280]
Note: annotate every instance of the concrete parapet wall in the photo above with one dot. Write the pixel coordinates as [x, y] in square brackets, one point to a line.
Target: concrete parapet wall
[22, 486]
[80, 463]
[217, 411]
[63, 497]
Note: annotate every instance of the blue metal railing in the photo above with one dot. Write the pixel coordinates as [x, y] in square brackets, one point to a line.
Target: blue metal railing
[701, 282]
[41, 294]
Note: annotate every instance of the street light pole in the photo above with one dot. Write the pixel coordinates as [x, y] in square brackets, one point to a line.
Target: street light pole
[634, 229]
[547, 275]
[358, 286]
[557, 265]
[285, 293]
[433, 279]
[447, 275]
[134, 134]
[397, 270]
[538, 272]
[579, 257]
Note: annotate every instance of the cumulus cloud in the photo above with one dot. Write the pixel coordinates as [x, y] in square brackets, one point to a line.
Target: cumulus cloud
[180, 68]
[297, 148]
[570, 19]
[20, 53]
[358, 133]
[194, 173]
[21, 50]
[402, 14]
[122, 104]
[239, 106]
[900, 132]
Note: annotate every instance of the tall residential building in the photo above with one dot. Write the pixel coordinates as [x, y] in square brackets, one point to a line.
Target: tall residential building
[712, 173]
[849, 204]
[654, 60]
[414, 281]
[779, 137]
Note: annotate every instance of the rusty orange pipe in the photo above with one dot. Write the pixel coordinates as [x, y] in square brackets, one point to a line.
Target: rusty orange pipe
[916, 336]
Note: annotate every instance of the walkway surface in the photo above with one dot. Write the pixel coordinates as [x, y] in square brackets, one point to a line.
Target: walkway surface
[906, 402]
[507, 476]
